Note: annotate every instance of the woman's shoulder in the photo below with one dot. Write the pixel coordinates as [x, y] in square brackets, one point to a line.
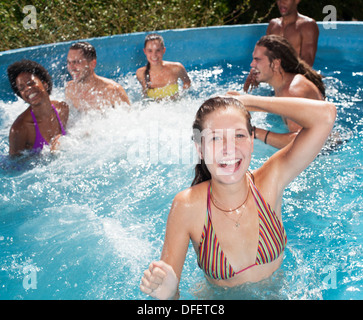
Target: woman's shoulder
[193, 192]
[140, 71]
[61, 106]
[192, 198]
[140, 74]
[173, 65]
[188, 209]
[21, 119]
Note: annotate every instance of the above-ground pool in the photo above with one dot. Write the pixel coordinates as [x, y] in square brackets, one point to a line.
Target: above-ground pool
[86, 221]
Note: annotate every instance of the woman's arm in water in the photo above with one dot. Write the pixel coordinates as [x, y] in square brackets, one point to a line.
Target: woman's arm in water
[161, 279]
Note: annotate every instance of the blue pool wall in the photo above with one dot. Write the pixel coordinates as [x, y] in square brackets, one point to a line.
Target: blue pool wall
[120, 54]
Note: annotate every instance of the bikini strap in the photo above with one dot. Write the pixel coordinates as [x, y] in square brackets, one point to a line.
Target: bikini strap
[255, 191]
[34, 120]
[59, 120]
[208, 199]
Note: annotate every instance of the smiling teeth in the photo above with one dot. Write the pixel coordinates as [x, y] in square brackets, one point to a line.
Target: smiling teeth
[31, 96]
[229, 162]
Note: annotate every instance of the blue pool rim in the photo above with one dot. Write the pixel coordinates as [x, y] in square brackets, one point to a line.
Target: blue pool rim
[120, 54]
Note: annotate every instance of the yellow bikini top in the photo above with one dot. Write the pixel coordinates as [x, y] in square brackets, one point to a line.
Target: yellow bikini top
[163, 92]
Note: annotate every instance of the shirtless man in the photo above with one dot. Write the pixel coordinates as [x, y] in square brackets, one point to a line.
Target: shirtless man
[87, 90]
[301, 31]
[276, 62]
[159, 78]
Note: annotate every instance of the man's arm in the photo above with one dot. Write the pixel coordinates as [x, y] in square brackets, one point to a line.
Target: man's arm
[69, 92]
[309, 44]
[274, 139]
[121, 95]
[273, 26]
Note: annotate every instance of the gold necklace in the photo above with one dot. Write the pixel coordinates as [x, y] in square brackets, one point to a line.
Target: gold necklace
[237, 224]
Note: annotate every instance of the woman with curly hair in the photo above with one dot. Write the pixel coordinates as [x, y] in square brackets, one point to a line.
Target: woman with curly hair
[44, 121]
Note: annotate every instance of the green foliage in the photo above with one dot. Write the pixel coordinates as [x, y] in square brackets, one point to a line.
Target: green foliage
[64, 20]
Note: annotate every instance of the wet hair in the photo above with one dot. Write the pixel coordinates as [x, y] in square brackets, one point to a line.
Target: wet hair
[88, 50]
[201, 171]
[279, 48]
[151, 37]
[32, 67]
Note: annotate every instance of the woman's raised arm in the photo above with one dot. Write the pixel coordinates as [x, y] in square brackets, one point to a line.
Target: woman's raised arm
[317, 120]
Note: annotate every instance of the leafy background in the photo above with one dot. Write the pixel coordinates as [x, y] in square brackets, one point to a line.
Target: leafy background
[65, 20]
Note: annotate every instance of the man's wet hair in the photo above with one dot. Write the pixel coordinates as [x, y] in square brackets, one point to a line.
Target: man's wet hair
[279, 48]
[88, 50]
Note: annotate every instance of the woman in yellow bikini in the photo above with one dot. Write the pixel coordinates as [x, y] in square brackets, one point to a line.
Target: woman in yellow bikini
[159, 79]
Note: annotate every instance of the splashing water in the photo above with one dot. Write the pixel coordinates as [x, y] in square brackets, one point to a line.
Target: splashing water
[85, 222]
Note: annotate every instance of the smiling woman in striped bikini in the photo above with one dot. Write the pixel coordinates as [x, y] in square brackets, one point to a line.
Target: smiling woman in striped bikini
[232, 215]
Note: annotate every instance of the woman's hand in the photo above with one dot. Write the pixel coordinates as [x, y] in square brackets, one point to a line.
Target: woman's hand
[54, 143]
[233, 93]
[160, 281]
[246, 99]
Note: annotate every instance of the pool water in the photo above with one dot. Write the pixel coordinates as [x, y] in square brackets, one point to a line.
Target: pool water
[85, 222]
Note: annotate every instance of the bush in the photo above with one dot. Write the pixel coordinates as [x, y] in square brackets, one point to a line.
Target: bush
[65, 20]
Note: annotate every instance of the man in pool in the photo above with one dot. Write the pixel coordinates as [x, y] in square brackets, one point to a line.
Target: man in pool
[276, 62]
[87, 90]
[301, 31]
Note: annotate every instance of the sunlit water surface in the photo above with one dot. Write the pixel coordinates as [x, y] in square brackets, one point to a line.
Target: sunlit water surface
[85, 222]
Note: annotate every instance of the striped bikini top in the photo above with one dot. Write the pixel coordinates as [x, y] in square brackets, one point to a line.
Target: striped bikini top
[271, 243]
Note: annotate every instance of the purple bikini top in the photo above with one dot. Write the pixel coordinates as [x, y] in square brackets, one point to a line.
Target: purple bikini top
[39, 139]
